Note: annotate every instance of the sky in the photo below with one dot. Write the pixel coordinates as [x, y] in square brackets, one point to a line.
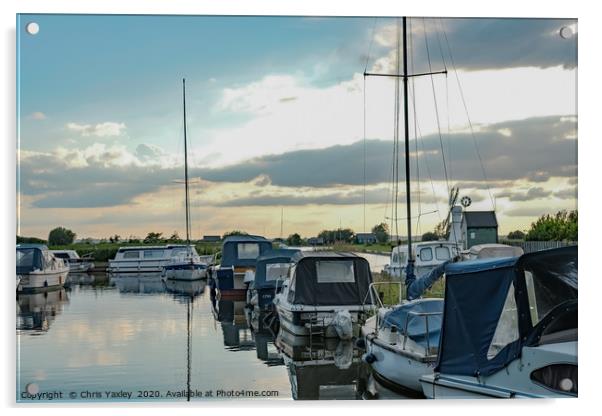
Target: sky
[282, 124]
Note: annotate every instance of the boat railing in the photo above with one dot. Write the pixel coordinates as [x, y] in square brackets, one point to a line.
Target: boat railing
[374, 295]
[409, 317]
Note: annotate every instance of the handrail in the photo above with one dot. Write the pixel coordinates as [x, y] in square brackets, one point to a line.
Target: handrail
[426, 315]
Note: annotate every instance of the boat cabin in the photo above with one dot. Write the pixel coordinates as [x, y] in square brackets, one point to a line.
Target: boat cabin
[31, 257]
[272, 268]
[428, 255]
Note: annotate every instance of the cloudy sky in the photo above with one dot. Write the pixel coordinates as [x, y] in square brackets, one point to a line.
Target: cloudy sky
[281, 120]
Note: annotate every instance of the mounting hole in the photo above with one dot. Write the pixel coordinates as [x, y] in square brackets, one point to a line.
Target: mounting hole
[32, 388]
[32, 28]
[566, 32]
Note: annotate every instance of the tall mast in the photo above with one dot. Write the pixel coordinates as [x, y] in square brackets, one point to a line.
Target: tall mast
[186, 165]
[410, 267]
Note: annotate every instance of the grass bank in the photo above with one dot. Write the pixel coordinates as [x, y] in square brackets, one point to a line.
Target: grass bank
[389, 289]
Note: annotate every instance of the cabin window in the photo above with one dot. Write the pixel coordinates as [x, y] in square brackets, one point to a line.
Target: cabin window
[442, 253]
[248, 250]
[544, 293]
[153, 254]
[131, 255]
[506, 331]
[276, 271]
[395, 258]
[25, 258]
[426, 254]
[335, 271]
[61, 255]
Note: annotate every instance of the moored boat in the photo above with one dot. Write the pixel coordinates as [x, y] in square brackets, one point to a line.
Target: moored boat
[74, 261]
[239, 255]
[509, 328]
[146, 259]
[39, 269]
[327, 293]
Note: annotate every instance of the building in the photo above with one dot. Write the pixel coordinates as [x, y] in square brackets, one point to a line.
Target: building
[211, 239]
[315, 241]
[365, 238]
[479, 227]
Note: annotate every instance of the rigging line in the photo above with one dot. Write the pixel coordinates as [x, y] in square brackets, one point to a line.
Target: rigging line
[436, 106]
[449, 147]
[396, 133]
[411, 39]
[467, 115]
[370, 45]
[364, 153]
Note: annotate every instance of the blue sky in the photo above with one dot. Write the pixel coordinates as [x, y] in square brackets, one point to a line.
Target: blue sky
[268, 99]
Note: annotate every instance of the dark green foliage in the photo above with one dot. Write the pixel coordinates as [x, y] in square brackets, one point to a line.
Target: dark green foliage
[559, 227]
[381, 231]
[60, 236]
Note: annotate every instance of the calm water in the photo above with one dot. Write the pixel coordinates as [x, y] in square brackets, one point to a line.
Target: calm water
[133, 338]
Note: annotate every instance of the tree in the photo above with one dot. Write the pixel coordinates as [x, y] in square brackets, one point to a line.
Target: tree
[430, 236]
[294, 240]
[234, 232]
[30, 240]
[60, 236]
[115, 238]
[175, 238]
[152, 238]
[558, 227]
[381, 231]
[340, 234]
[516, 235]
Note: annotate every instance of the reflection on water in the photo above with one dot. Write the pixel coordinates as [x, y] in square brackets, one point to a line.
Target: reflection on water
[155, 340]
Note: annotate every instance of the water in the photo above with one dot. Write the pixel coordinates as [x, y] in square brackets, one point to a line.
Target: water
[133, 338]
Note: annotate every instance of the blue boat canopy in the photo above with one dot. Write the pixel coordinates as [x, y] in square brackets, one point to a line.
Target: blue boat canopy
[271, 267]
[243, 250]
[494, 307]
[30, 257]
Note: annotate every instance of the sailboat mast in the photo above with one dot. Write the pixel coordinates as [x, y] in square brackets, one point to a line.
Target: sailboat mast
[186, 165]
[410, 269]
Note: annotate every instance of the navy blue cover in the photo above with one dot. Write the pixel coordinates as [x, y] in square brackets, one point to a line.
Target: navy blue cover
[230, 250]
[270, 257]
[475, 292]
[36, 261]
[417, 324]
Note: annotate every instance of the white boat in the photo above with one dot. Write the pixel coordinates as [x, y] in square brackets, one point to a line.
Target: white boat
[509, 329]
[38, 269]
[488, 251]
[427, 255]
[326, 294]
[74, 261]
[186, 265]
[147, 259]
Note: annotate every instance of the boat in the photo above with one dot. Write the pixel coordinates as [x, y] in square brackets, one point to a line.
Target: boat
[271, 270]
[327, 293]
[187, 265]
[509, 328]
[39, 269]
[427, 255]
[483, 251]
[239, 256]
[321, 368]
[75, 262]
[147, 259]
[230, 314]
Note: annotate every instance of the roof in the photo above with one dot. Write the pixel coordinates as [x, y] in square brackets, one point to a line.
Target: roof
[324, 254]
[276, 253]
[27, 245]
[244, 239]
[365, 235]
[480, 219]
[481, 265]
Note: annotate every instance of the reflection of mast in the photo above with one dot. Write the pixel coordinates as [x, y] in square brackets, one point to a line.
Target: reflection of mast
[188, 345]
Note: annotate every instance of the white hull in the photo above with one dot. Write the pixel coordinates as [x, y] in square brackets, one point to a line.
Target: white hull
[185, 275]
[43, 280]
[396, 368]
[321, 325]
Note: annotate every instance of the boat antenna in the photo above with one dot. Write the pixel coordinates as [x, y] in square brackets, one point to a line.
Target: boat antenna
[410, 276]
[186, 165]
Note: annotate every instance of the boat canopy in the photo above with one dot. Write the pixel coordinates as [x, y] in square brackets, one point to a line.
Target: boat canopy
[494, 307]
[243, 250]
[329, 278]
[422, 318]
[31, 257]
[272, 266]
[481, 251]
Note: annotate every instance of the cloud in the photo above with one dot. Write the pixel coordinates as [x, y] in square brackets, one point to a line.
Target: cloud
[106, 129]
[501, 43]
[569, 193]
[530, 194]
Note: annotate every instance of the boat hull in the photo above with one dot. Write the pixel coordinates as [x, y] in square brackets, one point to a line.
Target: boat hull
[184, 271]
[397, 369]
[41, 281]
[321, 323]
